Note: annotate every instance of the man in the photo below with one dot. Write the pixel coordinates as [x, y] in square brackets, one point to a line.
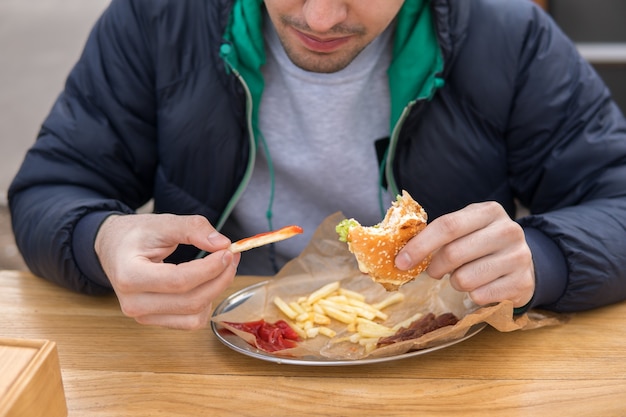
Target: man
[242, 115]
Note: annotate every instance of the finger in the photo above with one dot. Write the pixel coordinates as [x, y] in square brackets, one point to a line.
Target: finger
[478, 261]
[497, 277]
[148, 276]
[504, 238]
[476, 274]
[482, 271]
[190, 303]
[446, 229]
[517, 288]
[194, 230]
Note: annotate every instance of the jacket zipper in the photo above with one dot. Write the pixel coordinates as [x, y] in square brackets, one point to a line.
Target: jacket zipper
[393, 144]
[252, 156]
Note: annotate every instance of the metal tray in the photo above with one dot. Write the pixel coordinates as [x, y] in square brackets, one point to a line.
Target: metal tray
[237, 344]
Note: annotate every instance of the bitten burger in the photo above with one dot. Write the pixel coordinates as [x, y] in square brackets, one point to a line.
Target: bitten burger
[375, 247]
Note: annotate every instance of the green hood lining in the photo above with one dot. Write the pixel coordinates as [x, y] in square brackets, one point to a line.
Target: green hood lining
[417, 60]
[413, 73]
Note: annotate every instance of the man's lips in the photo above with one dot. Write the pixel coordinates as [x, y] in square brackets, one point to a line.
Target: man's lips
[317, 44]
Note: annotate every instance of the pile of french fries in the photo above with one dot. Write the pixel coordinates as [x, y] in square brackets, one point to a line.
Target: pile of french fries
[312, 315]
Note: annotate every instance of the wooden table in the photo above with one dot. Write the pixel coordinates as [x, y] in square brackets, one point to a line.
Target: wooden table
[112, 366]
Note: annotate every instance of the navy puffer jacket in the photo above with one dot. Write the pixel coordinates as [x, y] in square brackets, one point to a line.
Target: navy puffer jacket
[151, 110]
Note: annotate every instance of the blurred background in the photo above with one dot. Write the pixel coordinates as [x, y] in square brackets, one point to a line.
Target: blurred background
[39, 42]
[41, 39]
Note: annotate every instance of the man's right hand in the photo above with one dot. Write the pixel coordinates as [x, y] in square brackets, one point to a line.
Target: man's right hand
[131, 249]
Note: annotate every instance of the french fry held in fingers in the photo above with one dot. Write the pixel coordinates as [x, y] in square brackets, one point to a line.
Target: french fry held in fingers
[265, 238]
[312, 315]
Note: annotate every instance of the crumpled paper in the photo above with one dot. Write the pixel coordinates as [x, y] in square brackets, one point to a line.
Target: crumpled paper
[326, 259]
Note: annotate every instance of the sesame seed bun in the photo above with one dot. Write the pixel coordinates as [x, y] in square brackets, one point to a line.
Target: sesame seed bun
[376, 247]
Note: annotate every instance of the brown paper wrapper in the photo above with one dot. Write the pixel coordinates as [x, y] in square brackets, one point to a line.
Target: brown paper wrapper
[326, 259]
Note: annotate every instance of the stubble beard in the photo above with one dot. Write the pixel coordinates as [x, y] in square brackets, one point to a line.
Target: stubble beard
[316, 61]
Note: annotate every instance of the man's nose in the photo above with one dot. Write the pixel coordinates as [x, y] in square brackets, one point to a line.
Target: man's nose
[322, 15]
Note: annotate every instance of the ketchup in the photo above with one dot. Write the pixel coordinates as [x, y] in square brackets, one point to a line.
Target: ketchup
[270, 337]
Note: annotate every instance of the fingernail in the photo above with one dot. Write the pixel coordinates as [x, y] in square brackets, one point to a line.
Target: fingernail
[403, 261]
[218, 239]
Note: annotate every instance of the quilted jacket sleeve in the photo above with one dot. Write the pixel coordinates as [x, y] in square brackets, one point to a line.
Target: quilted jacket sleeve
[567, 156]
[95, 154]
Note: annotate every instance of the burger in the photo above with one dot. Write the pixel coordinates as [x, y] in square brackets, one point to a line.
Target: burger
[375, 247]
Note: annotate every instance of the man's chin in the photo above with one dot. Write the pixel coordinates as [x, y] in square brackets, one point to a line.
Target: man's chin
[320, 63]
